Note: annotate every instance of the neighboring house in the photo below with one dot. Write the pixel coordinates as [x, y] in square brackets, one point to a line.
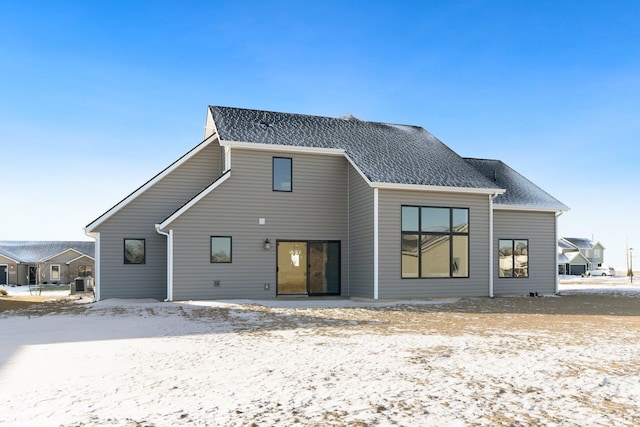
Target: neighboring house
[591, 255]
[35, 262]
[277, 204]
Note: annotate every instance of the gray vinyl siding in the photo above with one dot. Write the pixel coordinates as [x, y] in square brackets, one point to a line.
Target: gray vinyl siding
[316, 209]
[391, 285]
[540, 229]
[361, 234]
[137, 221]
[12, 271]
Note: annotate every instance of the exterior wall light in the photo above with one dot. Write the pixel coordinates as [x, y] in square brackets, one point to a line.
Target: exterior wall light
[267, 245]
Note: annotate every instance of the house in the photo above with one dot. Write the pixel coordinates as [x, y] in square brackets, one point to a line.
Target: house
[277, 204]
[37, 262]
[582, 254]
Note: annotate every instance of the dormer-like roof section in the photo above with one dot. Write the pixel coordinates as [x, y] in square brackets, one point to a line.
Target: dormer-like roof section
[385, 153]
[521, 193]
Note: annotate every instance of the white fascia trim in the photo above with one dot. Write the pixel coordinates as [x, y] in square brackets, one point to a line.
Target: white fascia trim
[153, 181]
[279, 147]
[437, 188]
[12, 259]
[81, 256]
[58, 254]
[526, 208]
[193, 201]
[375, 245]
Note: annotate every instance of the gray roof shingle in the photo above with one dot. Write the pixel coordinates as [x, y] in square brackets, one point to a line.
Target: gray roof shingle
[520, 191]
[39, 251]
[384, 152]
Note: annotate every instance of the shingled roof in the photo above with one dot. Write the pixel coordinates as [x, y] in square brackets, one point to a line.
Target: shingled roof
[520, 191]
[40, 251]
[385, 153]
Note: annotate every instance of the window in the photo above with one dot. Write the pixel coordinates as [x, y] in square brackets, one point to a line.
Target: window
[220, 249]
[55, 272]
[282, 176]
[134, 251]
[513, 258]
[85, 271]
[435, 242]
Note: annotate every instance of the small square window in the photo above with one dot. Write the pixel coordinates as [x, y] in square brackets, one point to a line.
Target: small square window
[282, 174]
[134, 251]
[220, 249]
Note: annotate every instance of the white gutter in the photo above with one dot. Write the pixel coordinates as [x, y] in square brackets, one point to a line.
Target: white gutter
[169, 262]
[96, 279]
[375, 244]
[491, 197]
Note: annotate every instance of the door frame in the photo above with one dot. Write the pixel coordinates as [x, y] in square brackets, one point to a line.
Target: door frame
[308, 244]
[6, 273]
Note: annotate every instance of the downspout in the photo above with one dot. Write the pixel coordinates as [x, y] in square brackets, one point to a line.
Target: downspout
[169, 262]
[375, 243]
[556, 252]
[491, 197]
[96, 279]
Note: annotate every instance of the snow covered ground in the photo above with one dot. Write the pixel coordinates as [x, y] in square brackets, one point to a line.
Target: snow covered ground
[478, 361]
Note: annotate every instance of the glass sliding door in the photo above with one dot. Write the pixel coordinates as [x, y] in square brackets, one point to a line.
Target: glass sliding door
[324, 268]
[292, 267]
[308, 268]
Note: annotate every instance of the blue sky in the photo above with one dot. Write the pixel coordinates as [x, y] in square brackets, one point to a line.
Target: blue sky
[96, 97]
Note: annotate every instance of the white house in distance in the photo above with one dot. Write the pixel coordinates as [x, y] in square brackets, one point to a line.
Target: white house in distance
[576, 255]
[276, 204]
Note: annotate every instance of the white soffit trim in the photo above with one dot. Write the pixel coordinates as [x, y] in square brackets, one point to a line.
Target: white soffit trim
[279, 147]
[437, 188]
[153, 181]
[497, 207]
[193, 201]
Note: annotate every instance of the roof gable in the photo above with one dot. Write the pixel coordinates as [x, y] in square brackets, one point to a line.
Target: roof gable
[385, 153]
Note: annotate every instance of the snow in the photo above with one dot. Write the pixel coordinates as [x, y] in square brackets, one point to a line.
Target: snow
[322, 362]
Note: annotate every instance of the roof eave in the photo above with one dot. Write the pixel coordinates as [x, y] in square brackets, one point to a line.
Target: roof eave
[529, 208]
[437, 188]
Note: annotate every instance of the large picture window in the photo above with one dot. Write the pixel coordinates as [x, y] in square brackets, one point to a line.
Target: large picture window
[134, 251]
[435, 242]
[513, 258]
[220, 249]
[282, 174]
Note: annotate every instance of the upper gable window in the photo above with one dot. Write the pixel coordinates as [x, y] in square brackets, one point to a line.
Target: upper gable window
[282, 174]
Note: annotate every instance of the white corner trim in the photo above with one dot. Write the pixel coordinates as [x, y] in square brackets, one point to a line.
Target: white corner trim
[193, 201]
[169, 261]
[555, 253]
[375, 246]
[153, 181]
